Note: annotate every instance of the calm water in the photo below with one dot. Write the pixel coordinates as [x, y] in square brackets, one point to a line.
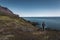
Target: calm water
[51, 22]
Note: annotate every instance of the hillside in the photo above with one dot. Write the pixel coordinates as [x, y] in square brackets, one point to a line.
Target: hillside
[10, 19]
[10, 23]
[13, 27]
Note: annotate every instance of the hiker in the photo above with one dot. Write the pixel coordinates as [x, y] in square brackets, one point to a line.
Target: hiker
[43, 26]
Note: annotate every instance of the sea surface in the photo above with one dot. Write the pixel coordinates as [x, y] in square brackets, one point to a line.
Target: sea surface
[51, 22]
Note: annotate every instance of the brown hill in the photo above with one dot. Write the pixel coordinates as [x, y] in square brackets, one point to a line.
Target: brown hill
[6, 12]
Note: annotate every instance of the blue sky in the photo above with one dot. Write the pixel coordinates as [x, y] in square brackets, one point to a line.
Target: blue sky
[33, 8]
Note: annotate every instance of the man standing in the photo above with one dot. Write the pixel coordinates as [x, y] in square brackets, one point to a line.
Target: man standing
[43, 26]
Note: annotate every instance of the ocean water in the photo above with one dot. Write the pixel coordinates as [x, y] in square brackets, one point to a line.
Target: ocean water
[51, 22]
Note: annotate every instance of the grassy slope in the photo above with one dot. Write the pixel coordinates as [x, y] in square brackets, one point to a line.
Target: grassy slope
[14, 22]
[11, 26]
[18, 29]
